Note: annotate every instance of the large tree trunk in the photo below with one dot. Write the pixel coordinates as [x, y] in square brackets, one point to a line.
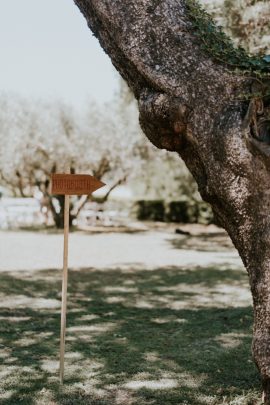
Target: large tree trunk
[189, 99]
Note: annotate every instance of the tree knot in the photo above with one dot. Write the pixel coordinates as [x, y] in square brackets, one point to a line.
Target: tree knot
[164, 119]
[257, 118]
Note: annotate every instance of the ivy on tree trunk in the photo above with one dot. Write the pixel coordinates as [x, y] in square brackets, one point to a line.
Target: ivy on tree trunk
[211, 104]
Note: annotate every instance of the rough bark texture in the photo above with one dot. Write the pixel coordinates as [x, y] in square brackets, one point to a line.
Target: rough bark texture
[190, 103]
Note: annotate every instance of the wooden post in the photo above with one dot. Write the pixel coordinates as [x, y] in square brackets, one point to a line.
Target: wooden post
[64, 289]
[69, 184]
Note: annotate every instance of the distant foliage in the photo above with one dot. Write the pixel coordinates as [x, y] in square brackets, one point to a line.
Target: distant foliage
[179, 211]
[164, 176]
[216, 43]
[37, 139]
[245, 21]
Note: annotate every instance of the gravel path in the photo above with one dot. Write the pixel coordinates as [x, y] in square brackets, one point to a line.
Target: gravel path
[155, 248]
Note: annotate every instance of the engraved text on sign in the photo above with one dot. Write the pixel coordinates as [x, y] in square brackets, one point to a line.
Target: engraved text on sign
[74, 184]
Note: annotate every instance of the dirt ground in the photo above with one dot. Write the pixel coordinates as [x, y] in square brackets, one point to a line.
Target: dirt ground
[148, 245]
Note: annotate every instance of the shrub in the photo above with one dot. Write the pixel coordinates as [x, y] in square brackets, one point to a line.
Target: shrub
[182, 211]
[150, 210]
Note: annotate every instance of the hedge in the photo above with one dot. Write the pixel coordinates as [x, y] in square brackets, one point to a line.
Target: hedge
[181, 211]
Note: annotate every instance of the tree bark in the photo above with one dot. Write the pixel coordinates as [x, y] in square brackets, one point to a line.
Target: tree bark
[58, 216]
[192, 103]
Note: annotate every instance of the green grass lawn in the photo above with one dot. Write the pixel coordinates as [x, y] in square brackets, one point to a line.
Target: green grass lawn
[134, 336]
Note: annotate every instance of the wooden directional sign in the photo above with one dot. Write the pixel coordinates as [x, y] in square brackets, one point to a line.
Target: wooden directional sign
[75, 184]
[69, 184]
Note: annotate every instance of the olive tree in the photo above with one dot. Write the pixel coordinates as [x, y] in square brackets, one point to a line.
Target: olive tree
[37, 139]
[209, 102]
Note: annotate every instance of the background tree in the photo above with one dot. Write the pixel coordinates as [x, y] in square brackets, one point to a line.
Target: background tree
[37, 139]
[246, 21]
[162, 176]
[210, 102]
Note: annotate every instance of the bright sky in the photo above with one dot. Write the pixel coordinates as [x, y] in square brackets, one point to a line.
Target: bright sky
[47, 51]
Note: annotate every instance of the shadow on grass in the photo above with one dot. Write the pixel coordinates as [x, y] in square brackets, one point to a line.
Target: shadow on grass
[133, 337]
[101, 229]
[204, 242]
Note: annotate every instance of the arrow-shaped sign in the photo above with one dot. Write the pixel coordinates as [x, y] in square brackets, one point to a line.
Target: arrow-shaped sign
[69, 184]
[75, 184]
